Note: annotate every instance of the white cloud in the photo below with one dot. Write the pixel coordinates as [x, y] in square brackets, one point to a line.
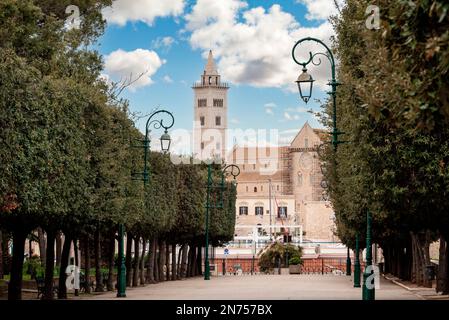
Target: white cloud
[121, 65]
[163, 42]
[269, 108]
[298, 110]
[235, 121]
[167, 79]
[320, 9]
[290, 117]
[255, 49]
[145, 11]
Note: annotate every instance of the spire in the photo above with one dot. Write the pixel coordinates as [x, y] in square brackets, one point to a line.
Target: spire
[211, 69]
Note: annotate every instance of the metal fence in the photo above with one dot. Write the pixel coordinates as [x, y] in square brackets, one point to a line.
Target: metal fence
[320, 265]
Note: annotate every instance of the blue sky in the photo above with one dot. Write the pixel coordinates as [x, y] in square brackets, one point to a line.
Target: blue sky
[169, 39]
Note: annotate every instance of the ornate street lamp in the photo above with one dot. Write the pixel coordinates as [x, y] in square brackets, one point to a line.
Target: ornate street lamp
[165, 141]
[305, 80]
[305, 85]
[144, 176]
[232, 170]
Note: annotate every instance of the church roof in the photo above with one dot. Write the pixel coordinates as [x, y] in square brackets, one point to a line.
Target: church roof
[211, 68]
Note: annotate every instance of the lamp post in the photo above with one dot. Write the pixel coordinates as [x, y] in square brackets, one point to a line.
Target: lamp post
[357, 263]
[368, 290]
[230, 170]
[305, 82]
[145, 177]
[305, 86]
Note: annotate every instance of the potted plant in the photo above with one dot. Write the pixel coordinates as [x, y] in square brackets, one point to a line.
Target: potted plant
[295, 265]
[274, 259]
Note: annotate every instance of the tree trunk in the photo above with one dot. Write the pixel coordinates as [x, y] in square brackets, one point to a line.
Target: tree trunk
[161, 261]
[18, 251]
[87, 263]
[1, 255]
[49, 265]
[64, 260]
[178, 267]
[111, 256]
[128, 260]
[189, 262]
[42, 245]
[142, 261]
[58, 248]
[174, 265]
[443, 266]
[97, 248]
[156, 261]
[194, 261]
[150, 267]
[167, 262]
[184, 261]
[77, 262]
[199, 261]
[136, 262]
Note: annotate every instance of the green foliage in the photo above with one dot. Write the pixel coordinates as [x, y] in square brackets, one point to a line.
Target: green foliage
[66, 141]
[277, 253]
[393, 108]
[295, 261]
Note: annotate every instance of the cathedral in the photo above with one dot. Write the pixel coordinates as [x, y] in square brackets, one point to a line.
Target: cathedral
[280, 189]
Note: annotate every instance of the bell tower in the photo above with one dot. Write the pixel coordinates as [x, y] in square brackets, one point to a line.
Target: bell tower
[210, 113]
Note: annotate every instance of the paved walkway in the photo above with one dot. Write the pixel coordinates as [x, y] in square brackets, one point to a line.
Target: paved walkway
[260, 287]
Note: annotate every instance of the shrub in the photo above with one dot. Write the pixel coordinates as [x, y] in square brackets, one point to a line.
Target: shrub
[278, 253]
[295, 261]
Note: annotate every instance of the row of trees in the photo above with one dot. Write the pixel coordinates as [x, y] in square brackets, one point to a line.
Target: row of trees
[66, 158]
[393, 107]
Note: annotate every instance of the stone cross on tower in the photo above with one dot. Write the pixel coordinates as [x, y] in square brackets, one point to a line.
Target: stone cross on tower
[210, 113]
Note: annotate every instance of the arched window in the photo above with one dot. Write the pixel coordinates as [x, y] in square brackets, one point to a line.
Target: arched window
[210, 80]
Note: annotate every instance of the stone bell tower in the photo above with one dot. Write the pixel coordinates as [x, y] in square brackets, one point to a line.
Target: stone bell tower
[210, 113]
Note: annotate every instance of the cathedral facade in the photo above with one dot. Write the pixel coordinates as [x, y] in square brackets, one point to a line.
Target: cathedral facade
[280, 188]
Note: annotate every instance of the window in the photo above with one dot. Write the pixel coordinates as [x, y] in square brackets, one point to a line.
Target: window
[277, 187]
[282, 212]
[261, 188]
[247, 189]
[243, 167]
[254, 167]
[218, 103]
[218, 121]
[217, 146]
[202, 103]
[259, 211]
[202, 121]
[306, 143]
[210, 80]
[243, 211]
[255, 189]
[202, 145]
